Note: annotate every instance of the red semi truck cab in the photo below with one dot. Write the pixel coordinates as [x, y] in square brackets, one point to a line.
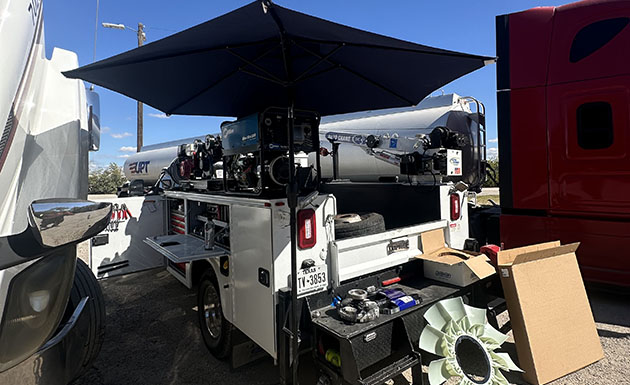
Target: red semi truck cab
[563, 95]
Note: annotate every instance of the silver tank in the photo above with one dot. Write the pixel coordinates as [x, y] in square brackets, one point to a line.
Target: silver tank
[147, 164]
[355, 164]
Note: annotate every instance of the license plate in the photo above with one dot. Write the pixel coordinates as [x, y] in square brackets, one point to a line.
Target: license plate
[312, 280]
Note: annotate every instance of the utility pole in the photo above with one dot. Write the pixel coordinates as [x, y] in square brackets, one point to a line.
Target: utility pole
[141, 38]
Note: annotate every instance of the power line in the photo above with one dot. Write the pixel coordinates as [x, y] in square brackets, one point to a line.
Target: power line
[161, 29]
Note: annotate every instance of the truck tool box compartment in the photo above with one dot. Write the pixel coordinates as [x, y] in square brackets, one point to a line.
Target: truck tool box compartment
[372, 352]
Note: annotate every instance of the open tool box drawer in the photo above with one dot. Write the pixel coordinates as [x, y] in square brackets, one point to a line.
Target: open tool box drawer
[181, 248]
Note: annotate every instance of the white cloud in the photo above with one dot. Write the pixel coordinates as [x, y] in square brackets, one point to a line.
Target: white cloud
[159, 116]
[495, 140]
[127, 149]
[492, 152]
[123, 156]
[105, 129]
[120, 136]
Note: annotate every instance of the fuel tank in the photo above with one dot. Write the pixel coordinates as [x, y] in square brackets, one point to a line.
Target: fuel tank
[356, 164]
[147, 164]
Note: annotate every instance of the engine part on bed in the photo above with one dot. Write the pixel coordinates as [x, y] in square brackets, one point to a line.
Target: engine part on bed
[256, 151]
[364, 306]
[355, 310]
[197, 166]
[197, 159]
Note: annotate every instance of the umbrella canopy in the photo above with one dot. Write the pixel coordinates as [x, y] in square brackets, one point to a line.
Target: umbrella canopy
[263, 55]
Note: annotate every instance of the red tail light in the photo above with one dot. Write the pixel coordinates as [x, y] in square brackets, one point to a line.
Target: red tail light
[455, 207]
[307, 228]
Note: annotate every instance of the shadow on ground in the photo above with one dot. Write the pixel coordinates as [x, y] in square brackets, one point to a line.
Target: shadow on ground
[152, 337]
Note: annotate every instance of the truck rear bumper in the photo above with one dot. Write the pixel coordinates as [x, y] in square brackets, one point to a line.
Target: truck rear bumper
[57, 362]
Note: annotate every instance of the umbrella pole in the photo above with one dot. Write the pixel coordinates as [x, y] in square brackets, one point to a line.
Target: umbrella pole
[292, 202]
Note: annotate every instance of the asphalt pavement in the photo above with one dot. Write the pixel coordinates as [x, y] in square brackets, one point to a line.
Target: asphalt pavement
[152, 337]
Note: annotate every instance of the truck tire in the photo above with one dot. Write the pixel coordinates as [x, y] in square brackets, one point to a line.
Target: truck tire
[215, 329]
[370, 223]
[86, 285]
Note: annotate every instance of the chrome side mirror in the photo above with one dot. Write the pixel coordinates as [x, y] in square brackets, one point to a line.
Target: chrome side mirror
[60, 222]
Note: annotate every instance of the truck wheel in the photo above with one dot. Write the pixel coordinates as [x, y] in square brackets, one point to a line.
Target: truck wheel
[215, 329]
[370, 223]
[86, 285]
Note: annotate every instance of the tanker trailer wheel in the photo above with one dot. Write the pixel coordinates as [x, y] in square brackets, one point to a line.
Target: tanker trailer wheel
[354, 225]
[215, 329]
[86, 285]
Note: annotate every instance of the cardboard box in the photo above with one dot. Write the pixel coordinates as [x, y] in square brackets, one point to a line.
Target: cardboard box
[551, 318]
[452, 266]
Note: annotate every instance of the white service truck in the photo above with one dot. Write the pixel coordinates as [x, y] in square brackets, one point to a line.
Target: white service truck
[226, 232]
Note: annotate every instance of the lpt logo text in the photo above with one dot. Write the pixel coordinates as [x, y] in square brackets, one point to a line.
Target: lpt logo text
[139, 167]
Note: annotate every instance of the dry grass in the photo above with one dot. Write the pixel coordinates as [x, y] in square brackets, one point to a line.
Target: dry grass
[485, 199]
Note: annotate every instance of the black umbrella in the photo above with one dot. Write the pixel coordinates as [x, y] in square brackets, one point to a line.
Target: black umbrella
[264, 55]
[244, 61]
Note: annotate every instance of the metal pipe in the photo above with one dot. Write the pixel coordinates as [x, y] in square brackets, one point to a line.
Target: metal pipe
[335, 158]
[292, 201]
[291, 194]
[140, 128]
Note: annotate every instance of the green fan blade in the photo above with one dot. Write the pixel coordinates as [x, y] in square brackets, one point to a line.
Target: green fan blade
[450, 320]
[453, 307]
[494, 334]
[431, 339]
[507, 362]
[476, 315]
[437, 372]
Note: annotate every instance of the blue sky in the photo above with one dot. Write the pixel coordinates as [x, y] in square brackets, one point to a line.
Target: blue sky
[459, 25]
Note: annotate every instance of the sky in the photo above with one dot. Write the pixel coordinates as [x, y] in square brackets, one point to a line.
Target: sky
[466, 26]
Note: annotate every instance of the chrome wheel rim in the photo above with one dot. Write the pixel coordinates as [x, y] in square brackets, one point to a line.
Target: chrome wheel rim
[212, 312]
